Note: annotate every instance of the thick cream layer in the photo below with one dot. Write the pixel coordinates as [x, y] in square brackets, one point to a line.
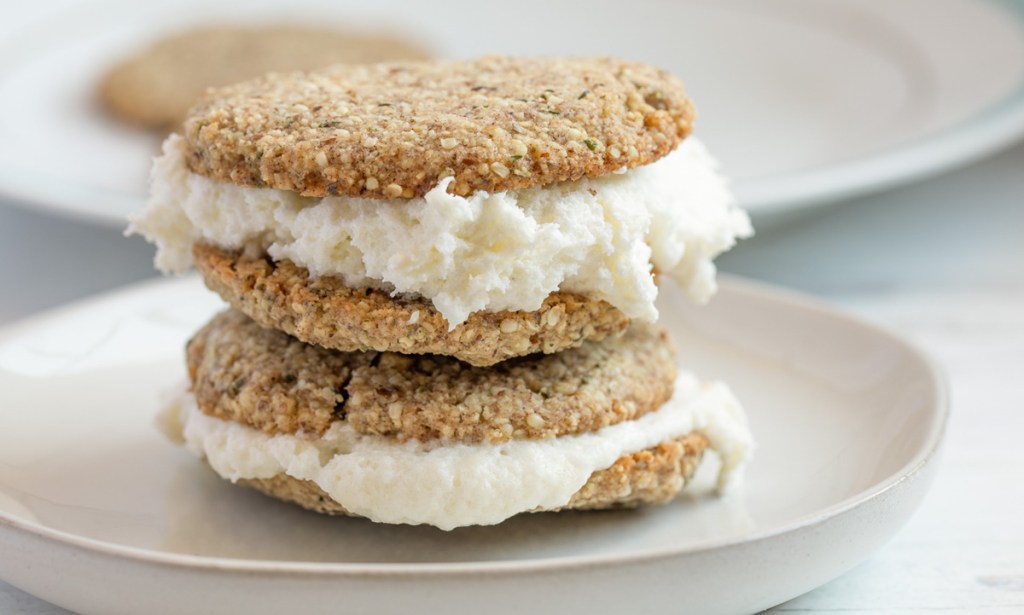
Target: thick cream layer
[509, 250]
[452, 485]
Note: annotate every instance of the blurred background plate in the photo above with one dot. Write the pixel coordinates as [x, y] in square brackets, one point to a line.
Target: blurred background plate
[804, 102]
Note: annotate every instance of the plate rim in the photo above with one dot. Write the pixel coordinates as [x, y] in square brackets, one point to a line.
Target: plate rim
[927, 453]
[993, 129]
[986, 132]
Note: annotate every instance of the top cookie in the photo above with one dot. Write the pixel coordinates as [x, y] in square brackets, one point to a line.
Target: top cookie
[395, 130]
[157, 87]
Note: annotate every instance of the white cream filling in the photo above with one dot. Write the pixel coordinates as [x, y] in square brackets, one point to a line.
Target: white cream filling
[450, 485]
[508, 250]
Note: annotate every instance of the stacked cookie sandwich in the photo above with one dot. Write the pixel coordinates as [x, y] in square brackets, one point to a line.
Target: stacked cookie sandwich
[442, 283]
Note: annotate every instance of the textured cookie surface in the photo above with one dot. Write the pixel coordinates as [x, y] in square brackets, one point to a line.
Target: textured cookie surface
[651, 476]
[267, 380]
[324, 312]
[156, 87]
[394, 130]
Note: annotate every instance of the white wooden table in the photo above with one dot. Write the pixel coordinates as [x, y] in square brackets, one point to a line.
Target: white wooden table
[941, 261]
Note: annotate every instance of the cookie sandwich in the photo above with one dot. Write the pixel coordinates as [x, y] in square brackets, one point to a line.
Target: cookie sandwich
[442, 280]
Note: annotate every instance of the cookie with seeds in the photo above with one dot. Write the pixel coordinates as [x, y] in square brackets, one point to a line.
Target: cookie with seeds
[156, 87]
[395, 130]
[325, 312]
[274, 383]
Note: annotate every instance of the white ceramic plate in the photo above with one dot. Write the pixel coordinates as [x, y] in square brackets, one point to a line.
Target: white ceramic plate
[848, 417]
[805, 102]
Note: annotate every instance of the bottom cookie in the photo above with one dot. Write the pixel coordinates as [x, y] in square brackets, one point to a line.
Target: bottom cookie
[651, 476]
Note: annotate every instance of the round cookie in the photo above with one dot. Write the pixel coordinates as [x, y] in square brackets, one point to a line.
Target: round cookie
[395, 130]
[325, 312]
[156, 87]
[269, 381]
[648, 477]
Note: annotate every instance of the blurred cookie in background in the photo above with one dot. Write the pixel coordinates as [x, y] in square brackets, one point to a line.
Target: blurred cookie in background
[155, 87]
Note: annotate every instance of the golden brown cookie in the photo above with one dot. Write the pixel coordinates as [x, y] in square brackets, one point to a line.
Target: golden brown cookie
[325, 312]
[267, 380]
[394, 130]
[651, 476]
[156, 87]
